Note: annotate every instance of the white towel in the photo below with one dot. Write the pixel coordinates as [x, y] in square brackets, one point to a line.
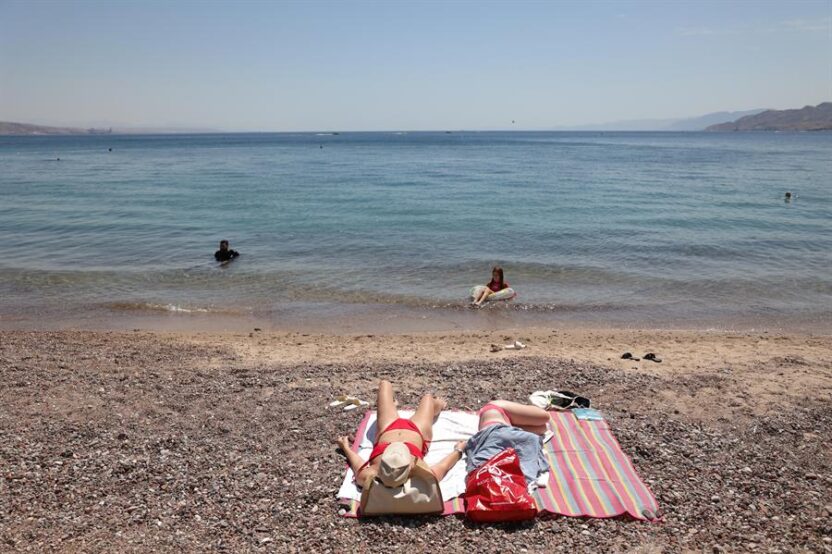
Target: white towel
[449, 428]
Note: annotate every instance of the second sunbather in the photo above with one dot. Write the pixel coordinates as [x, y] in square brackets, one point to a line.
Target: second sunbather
[504, 424]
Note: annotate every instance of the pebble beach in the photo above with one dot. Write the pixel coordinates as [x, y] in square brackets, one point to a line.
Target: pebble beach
[156, 442]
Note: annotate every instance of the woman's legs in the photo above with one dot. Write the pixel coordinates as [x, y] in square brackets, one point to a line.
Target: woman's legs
[427, 412]
[385, 406]
[528, 418]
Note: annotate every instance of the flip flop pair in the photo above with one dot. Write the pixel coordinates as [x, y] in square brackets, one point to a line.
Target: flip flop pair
[649, 356]
[516, 345]
[348, 403]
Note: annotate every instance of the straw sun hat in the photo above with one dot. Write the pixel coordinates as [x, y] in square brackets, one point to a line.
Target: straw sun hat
[396, 461]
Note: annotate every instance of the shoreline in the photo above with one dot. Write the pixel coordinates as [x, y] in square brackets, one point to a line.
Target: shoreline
[387, 319]
[769, 365]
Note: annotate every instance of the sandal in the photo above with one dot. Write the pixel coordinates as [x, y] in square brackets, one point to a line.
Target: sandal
[652, 357]
[340, 401]
[355, 403]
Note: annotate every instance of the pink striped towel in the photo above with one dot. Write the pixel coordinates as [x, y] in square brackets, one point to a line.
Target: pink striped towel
[589, 475]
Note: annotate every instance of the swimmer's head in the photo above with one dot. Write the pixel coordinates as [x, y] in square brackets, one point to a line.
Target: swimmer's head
[223, 244]
[497, 274]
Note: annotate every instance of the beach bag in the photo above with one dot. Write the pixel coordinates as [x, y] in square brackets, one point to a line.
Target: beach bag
[419, 495]
[497, 491]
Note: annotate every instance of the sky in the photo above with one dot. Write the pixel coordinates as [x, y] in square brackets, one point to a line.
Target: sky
[405, 65]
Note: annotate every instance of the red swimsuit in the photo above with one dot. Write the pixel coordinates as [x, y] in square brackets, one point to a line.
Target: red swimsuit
[400, 423]
[495, 286]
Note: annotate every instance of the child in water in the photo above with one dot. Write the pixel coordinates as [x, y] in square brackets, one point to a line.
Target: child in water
[497, 284]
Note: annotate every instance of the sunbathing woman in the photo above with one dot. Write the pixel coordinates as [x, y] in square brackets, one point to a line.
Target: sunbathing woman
[505, 424]
[400, 443]
[496, 285]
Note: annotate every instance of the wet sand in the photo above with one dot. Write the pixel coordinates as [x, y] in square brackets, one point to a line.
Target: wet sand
[162, 441]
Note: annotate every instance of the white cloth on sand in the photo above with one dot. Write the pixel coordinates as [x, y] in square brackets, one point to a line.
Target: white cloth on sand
[450, 428]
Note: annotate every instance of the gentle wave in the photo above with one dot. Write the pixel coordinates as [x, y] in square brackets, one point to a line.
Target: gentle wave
[151, 307]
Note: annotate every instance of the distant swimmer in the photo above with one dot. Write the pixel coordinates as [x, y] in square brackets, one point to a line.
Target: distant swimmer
[109, 150]
[788, 196]
[225, 254]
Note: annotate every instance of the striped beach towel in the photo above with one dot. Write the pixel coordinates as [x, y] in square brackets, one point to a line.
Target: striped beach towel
[589, 475]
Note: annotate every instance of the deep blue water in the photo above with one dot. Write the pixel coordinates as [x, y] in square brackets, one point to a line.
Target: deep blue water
[617, 226]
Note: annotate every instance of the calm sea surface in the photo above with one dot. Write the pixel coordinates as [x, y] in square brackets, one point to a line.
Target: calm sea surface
[688, 229]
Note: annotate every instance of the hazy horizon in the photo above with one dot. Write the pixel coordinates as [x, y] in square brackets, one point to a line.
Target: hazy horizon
[359, 66]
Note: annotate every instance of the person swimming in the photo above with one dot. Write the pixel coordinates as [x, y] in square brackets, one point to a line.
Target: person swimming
[497, 284]
[225, 254]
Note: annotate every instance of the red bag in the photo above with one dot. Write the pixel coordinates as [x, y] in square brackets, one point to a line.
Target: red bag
[497, 490]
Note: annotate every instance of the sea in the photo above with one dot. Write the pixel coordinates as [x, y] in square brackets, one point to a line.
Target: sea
[387, 231]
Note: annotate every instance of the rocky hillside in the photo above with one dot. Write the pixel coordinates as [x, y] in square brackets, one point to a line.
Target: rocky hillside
[10, 128]
[810, 118]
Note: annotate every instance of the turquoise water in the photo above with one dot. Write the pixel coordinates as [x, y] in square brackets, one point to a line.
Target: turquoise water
[625, 228]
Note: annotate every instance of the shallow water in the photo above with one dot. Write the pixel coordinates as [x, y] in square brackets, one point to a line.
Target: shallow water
[619, 228]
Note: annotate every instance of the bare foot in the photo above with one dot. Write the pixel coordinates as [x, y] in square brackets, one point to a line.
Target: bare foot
[439, 404]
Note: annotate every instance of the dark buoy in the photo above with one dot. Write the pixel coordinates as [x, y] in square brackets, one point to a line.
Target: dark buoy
[109, 150]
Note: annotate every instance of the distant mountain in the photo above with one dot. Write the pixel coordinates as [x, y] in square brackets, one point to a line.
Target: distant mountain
[626, 125]
[703, 121]
[10, 128]
[698, 123]
[809, 118]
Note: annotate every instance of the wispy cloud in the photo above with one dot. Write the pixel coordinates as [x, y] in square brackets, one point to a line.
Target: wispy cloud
[823, 24]
[816, 25]
[696, 31]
